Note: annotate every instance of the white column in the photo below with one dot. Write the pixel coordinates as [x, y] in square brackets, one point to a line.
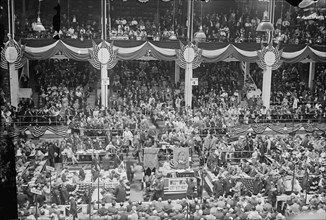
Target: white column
[267, 81]
[176, 73]
[312, 66]
[188, 86]
[14, 85]
[104, 75]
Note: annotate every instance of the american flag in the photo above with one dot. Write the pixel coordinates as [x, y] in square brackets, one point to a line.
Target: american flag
[248, 183]
[81, 189]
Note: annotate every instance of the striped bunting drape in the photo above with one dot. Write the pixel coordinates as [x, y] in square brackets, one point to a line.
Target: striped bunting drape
[277, 128]
[38, 131]
[82, 188]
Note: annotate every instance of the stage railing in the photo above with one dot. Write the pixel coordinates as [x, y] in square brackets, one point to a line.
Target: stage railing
[48, 120]
[37, 120]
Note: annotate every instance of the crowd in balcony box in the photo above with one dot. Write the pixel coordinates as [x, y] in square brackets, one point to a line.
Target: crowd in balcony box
[234, 25]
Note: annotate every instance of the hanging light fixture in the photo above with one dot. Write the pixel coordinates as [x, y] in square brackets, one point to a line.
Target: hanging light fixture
[38, 26]
[200, 36]
[172, 32]
[265, 25]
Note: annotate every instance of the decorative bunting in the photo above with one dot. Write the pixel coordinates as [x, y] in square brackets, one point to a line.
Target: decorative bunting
[277, 128]
[37, 49]
[103, 54]
[269, 56]
[189, 54]
[13, 53]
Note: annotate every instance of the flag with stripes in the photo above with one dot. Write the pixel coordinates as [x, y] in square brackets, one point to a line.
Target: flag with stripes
[259, 128]
[81, 189]
[248, 183]
[172, 164]
[60, 131]
[313, 184]
[243, 68]
[127, 185]
[37, 131]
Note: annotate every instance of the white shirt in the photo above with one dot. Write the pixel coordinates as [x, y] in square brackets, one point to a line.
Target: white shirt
[128, 135]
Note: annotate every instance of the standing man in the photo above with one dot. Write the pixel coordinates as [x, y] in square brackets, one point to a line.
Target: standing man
[191, 188]
[138, 172]
[73, 208]
[158, 187]
[95, 167]
[120, 192]
[106, 162]
[52, 154]
[218, 189]
[56, 22]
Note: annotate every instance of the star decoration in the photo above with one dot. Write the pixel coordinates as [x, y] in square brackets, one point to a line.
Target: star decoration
[20, 61]
[95, 59]
[181, 61]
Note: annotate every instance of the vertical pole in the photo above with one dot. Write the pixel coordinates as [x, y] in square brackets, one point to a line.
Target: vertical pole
[188, 70]
[23, 12]
[104, 19]
[158, 16]
[106, 95]
[267, 81]
[9, 17]
[188, 86]
[173, 27]
[109, 16]
[50, 181]
[192, 20]
[312, 66]
[98, 190]
[293, 178]
[14, 84]
[13, 18]
[189, 21]
[176, 73]
[104, 72]
[104, 75]
[68, 14]
[36, 207]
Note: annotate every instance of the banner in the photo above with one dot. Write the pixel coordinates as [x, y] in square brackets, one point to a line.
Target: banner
[181, 157]
[150, 158]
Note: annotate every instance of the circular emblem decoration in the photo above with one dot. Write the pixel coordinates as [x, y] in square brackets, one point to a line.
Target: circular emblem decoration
[11, 54]
[189, 54]
[104, 55]
[269, 58]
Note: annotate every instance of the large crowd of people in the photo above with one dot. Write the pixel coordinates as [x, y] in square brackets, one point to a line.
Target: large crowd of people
[89, 173]
[146, 90]
[272, 162]
[143, 96]
[235, 25]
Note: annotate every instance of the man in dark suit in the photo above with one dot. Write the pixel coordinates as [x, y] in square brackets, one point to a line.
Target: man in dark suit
[218, 189]
[56, 22]
[102, 211]
[191, 188]
[52, 154]
[159, 188]
[73, 208]
[120, 192]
